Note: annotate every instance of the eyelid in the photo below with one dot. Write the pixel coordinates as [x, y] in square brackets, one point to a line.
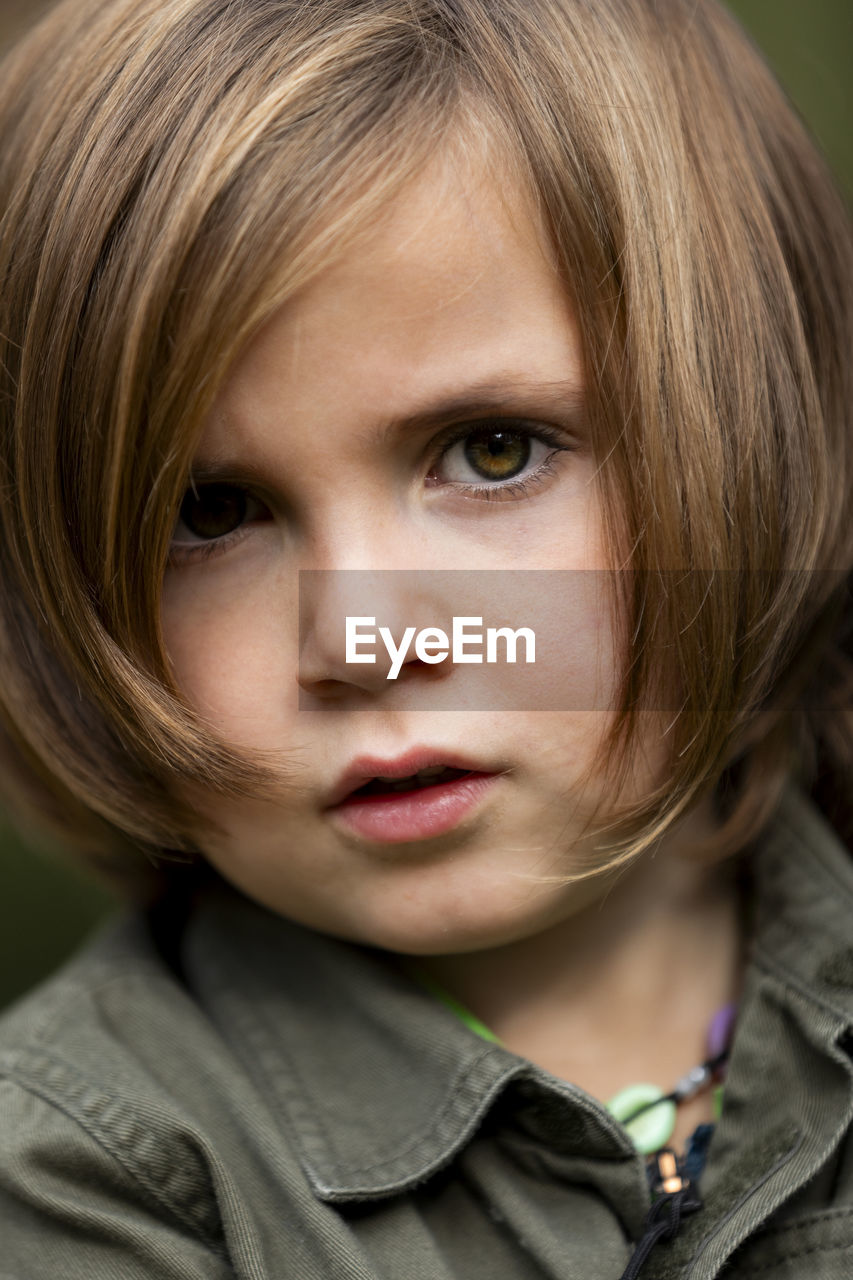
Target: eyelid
[242, 474]
[194, 552]
[559, 437]
[505, 490]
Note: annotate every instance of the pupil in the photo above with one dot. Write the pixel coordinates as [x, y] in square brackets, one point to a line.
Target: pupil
[498, 455]
[217, 510]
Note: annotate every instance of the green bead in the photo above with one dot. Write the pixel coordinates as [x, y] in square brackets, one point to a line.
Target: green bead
[717, 1097]
[653, 1129]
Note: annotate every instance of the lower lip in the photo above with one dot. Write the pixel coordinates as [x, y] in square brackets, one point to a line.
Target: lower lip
[414, 815]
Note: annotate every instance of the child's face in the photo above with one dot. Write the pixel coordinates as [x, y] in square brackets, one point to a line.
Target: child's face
[449, 293]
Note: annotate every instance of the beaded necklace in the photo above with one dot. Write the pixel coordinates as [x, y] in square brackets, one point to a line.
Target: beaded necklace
[646, 1111]
[649, 1114]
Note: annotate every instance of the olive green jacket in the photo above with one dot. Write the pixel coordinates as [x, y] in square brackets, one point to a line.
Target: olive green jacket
[242, 1097]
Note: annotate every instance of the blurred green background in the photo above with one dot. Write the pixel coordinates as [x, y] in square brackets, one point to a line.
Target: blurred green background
[46, 908]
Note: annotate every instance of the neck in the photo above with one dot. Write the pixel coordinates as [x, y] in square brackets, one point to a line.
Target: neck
[622, 990]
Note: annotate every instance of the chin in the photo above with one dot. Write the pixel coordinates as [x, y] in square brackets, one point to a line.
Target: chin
[449, 931]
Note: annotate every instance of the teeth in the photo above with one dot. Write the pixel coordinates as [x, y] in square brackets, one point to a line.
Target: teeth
[423, 778]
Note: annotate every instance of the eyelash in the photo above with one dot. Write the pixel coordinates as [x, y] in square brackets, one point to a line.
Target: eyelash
[181, 553]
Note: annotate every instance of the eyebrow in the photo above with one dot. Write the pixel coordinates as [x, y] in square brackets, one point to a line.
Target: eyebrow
[509, 397]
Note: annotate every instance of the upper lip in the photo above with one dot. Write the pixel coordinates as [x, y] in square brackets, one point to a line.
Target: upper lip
[365, 768]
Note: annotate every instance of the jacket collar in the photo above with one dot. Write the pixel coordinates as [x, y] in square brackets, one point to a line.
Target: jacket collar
[803, 933]
[380, 1084]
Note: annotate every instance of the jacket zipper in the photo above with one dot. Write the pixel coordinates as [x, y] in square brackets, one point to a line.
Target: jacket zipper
[676, 1199]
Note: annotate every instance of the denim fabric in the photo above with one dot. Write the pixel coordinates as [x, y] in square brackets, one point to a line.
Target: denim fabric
[247, 1098]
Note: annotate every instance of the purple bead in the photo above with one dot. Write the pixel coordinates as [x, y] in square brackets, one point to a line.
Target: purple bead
[720, 1030]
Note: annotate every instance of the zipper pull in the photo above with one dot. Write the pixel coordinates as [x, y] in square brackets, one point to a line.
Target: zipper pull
[676, 1199]
[669, 1179]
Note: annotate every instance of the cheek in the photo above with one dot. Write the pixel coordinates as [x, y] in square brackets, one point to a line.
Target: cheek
[234, 663]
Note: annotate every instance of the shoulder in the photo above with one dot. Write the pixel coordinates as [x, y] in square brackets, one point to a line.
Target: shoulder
[784, 1178]
[115, 1014]
[95, 1076]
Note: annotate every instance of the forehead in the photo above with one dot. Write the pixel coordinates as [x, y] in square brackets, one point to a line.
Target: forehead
[454, 284]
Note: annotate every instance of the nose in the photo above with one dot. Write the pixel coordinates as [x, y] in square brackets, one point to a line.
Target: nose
[374, 652]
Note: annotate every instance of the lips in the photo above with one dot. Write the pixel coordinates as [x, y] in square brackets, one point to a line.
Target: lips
[367, 774]
[388, 786]
[418, 796]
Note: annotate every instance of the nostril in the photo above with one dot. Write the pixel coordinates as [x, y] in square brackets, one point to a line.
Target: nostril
[323, 691]
[415, 666]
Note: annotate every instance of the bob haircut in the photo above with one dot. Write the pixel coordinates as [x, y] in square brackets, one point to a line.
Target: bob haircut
[172, 171]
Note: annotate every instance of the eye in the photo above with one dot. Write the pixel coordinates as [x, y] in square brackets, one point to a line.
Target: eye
[213, 515]
[496, 456]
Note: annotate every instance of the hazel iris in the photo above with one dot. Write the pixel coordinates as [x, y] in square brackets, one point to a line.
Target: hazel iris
[498, 455]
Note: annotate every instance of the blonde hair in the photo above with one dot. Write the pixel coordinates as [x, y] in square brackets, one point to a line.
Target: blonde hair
[171, 171]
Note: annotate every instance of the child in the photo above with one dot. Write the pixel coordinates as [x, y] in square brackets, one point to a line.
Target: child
[431, 984]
